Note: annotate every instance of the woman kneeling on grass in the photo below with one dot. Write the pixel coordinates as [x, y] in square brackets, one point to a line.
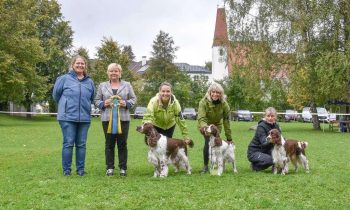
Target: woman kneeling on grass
[259, 149]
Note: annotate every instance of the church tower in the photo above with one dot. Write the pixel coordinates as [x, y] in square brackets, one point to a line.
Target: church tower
[219, 48]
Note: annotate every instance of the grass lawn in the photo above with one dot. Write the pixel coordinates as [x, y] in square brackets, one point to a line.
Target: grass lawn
[31, 174]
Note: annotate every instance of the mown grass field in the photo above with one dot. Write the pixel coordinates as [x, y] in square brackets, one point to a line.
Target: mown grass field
[31, 175]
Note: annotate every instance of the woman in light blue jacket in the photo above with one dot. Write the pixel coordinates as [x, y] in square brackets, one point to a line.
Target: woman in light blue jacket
[115, 98]
[74, 94]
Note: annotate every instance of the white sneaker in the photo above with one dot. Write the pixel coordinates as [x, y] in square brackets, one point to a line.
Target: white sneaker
[122, 172]
[110, 172]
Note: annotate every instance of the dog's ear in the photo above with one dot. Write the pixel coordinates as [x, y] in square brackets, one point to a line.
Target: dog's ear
[146, 140]
[215, 131]
[203, 129]
[218, 141]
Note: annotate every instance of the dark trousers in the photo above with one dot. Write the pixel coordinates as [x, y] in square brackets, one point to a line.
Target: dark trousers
[121, 140]
[206, 150]
[260, 161]
[168, 132]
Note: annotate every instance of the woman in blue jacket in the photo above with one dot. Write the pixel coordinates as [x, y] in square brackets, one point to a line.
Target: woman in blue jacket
[74, 94]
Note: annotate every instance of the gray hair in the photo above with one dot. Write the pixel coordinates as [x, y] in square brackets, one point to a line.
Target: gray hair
[270, 110]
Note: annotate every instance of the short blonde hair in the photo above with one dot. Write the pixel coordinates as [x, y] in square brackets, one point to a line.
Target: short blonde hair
[215, 87]
[114, 65]
[75, 59]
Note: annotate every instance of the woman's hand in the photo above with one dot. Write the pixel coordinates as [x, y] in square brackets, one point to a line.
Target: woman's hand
[122, 103]
[107, 103]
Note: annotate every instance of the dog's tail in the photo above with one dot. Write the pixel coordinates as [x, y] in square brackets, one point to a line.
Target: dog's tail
[302, 144]
[189, 143]
[301, 147]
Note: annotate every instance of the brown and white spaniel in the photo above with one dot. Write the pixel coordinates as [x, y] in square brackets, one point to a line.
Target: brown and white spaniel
[285, 151]
[164, 151]
[219, 151]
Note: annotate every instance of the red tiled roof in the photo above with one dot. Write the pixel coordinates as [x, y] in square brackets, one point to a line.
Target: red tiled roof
[220, 34]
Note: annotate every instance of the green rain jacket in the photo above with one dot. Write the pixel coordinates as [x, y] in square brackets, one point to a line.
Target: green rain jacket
[217, 114]
[165, 118]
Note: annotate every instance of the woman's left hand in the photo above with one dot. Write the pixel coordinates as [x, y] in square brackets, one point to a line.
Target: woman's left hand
[122, 103]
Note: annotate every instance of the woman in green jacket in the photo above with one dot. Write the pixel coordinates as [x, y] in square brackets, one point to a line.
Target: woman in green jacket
[164, 112]
[213, 109]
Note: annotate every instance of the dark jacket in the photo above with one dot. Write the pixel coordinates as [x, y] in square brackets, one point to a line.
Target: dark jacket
[259, 143]
[74, 97]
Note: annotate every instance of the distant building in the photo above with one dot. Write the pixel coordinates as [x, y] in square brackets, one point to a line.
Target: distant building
[139, 67]
[193, 71]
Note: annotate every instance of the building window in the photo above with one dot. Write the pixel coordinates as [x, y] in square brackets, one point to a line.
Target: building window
[221, 51]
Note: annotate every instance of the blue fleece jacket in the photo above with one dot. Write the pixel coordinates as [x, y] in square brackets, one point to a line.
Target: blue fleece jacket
[74, 97]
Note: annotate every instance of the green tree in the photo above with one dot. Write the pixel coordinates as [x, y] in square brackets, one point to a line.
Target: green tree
[110, 52]
[127, 49]
[209, 65]
[56, 38]
[197, 91]
[20, 52]
[161, 66]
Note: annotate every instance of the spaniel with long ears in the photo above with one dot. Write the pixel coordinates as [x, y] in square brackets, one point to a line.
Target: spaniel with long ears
[285, 151]
[219, 151]
[164, 151]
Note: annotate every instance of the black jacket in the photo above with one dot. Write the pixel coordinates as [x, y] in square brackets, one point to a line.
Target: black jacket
[259, 143]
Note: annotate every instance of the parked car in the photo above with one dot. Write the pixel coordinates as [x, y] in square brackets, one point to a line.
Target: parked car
[306, 115]
[189, 113]
[291, 115]
[139, 112]
[244, 115]
[322, 114]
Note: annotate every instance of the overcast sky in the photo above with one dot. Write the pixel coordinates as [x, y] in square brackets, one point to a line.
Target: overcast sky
[137, 22]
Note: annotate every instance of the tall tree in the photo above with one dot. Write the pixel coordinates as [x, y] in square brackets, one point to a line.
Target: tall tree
[56, 38]
[127, 49]
[110, 52]
[161, 66]
[20, 52]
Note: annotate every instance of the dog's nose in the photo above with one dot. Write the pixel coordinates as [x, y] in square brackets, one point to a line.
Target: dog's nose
[138, 128]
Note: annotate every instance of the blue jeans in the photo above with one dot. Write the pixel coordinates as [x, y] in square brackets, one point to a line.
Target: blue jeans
[74, 133]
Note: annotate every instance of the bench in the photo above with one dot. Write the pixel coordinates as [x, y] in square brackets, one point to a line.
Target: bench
[336, 124]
